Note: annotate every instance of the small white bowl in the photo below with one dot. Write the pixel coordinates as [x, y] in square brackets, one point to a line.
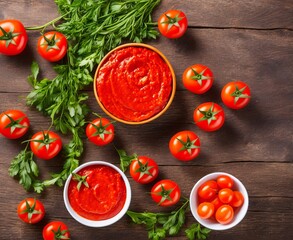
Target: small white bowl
[212, 224]
[97, 223]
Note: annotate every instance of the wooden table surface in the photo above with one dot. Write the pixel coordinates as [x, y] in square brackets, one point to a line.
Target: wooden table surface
[245, 40]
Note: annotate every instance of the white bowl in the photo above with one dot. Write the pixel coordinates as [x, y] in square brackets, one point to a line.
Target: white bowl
[212, 224]
[97, 223]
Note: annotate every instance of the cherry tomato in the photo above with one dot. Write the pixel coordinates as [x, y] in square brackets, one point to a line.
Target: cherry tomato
[208, 190]
[166, 193]
[225, 181]
[217, 203]
[226, 195]
[209, 116]
[13, 37]
[144, 169]
[198, 78]
[224, 214]
[237, 200]
[46, 144]
[236, 95]
[52, 46]
[100, 131]
[173, 24]
[31, 210]
[55, 230]
[205, 210]
[13, 124]
[184, 145]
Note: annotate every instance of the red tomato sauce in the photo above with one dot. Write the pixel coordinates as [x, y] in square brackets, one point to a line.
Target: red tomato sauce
[105, 196]
[134, 83]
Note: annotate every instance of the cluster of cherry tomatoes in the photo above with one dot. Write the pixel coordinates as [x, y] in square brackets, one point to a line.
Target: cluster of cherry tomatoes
[218, 199]
[52, 45]
[31, 210]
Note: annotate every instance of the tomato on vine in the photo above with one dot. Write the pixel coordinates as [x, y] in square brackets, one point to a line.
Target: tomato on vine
[166, 193]
[173, 24]
[13, 124]
[198, 78]
[13, 37]
[100, 131]
[45, 144]
[56, 230]
[236, 95]
[184, 145]
[209, 116]
[31, 210]
[144, 169]
[52, 46]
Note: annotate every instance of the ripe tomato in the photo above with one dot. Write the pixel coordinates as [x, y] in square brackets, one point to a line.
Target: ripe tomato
[46, 144]
[224, 214]
[31, 210]
[173, 24]
[209, 116]
[13, 124]
[52, 46]
[100, 131]
[166, 193]
[13, 37]
[226, 195]
[184, 145]
[225, 181]
[144, 169]
[205, 210]
[198, 78]
[237, 200]
[236, 95]
[217, 203]
[55, 230]
[208, 190]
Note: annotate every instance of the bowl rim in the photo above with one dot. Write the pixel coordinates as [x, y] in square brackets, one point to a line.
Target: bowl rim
[210, 223]
[97, 223]
[171, 98]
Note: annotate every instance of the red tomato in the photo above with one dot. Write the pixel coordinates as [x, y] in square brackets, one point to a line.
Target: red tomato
[100, 131]
[198, 78]
[55, 230]
[52, 46]
[31, 210]
[166, 193]
[46, 144]
[236, 95]
[13, 124]
[13, 37]
[237, 200]
[209, 116]
[226, 195]
[205, 210]
[144, 170]
[224, 214]
[184, 145]
[173, 24]
[225, 181]
[217, 203]
[208, 190]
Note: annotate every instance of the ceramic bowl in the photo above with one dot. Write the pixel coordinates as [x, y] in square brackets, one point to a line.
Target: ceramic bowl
[97, 223]
[211, 223]
[171, 96]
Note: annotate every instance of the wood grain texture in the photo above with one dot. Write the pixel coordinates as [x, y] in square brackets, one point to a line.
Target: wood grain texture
[247, 40]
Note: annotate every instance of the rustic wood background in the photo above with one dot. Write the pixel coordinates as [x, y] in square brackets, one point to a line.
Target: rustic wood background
[248, 40]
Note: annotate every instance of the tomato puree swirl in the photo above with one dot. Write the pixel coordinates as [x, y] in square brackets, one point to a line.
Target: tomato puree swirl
[105, 196]
[134, 83]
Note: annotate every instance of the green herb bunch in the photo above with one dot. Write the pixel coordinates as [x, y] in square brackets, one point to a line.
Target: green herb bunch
[92, 28]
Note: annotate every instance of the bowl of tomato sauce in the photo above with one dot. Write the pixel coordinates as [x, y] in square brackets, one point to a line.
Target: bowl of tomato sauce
[134, 83]
[97, 194]
[219, 201]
